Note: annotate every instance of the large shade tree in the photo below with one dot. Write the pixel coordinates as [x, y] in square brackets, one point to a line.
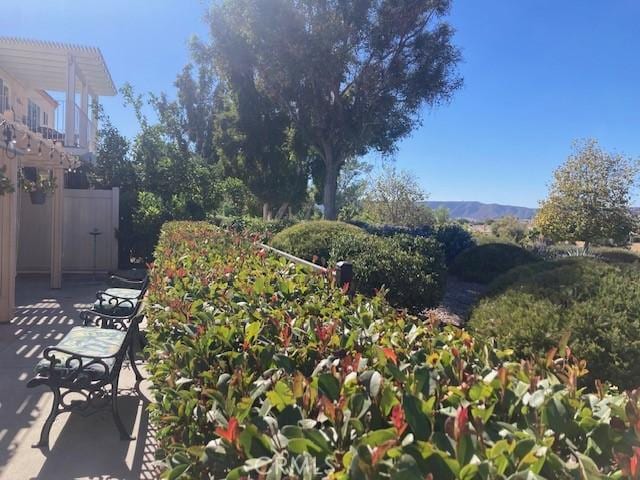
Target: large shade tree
[254, 142]
[590, 197]
[351, 76]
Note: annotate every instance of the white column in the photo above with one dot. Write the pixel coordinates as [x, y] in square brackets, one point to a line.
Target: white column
[84, 115]
[8, 241]
[57, 219]
[70, 104]
[94, 123]
[115, 221]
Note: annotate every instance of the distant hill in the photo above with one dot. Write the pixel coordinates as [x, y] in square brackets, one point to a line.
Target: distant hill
[479, 211]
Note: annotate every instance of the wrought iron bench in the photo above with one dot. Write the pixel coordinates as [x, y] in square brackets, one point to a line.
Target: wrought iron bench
[86, 363]
[122, 298]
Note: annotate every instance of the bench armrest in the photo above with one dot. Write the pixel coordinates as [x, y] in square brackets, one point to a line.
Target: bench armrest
[122, 282]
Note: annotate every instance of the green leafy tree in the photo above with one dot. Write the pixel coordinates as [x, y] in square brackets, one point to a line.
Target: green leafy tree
[351, 76]
[441, 215]
[113, 167]
[394, 197]
[509, 228]
[255, 142]
[590, 197]
[352, 188]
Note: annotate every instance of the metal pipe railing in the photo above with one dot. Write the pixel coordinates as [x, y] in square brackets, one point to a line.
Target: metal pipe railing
[343, 273]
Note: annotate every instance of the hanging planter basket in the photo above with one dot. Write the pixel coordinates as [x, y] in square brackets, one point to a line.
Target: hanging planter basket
[38, 185]
[38, 197]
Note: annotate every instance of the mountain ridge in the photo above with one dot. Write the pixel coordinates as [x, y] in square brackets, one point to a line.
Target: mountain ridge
[479, 211]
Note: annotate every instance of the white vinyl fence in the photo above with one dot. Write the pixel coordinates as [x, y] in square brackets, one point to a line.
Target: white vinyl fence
[84, 211]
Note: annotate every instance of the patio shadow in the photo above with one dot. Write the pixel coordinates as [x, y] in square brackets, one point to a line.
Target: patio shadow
[80, 447]
[90, 446]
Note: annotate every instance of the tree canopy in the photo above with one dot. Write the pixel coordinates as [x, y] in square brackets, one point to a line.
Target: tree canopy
[351, 76]
[394, 197]
[590, 197]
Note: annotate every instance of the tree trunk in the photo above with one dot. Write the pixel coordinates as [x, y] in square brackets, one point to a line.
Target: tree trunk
[282, 210]
[331, 170]
[266, 211]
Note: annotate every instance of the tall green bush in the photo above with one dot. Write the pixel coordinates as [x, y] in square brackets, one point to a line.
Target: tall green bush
[411, 269]
[453, 236]
[483, 263]
[589, 305]
[261, 369]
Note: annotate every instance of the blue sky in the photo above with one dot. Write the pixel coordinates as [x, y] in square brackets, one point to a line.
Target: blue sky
[538, 74]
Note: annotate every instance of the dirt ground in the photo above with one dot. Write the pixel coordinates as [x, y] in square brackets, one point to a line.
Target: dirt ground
[459, 298]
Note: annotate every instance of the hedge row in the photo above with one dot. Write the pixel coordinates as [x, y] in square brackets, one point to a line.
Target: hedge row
[261, 369]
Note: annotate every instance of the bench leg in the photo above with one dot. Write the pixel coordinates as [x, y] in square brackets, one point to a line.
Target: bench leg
[116, 415]
[46, 428]
[132, 361]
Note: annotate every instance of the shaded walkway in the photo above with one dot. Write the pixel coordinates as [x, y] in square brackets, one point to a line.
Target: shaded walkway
[81, 447]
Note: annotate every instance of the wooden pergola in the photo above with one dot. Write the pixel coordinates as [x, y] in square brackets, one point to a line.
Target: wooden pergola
[57, 67]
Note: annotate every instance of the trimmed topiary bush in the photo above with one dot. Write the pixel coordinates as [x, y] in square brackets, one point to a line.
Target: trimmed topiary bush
[411, 269]
[589, 305]
[483, 263]
[312, 240]
[261, 369]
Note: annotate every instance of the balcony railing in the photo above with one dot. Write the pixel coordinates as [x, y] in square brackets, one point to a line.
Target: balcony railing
[83, 127]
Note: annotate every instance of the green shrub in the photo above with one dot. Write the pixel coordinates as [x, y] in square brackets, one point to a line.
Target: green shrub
[453, 236]
[484, 263]
[312, 240]
[616, 255]
[533, 308]
[412, 269]
[455, 239]
[261, 369]
[263, 229]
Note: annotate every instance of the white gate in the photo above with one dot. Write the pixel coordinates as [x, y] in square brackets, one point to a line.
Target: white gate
[85, 211]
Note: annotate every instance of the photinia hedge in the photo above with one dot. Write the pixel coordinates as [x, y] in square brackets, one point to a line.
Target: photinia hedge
[261, 369]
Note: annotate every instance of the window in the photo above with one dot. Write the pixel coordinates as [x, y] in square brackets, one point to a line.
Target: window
[45, 119]
[33, 116]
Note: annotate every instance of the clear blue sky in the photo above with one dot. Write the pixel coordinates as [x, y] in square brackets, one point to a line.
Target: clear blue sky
[538, 74]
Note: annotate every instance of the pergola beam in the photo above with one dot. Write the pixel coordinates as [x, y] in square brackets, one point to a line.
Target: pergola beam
[42, 65]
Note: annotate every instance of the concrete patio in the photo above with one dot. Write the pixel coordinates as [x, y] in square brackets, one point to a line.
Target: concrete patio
[81, 447]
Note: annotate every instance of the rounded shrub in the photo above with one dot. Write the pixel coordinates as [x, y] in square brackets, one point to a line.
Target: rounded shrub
[483, 263]
[412, 269]
[312, 240]
[455, 239]
[616, 255]
[453, 236]
[592, 305]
